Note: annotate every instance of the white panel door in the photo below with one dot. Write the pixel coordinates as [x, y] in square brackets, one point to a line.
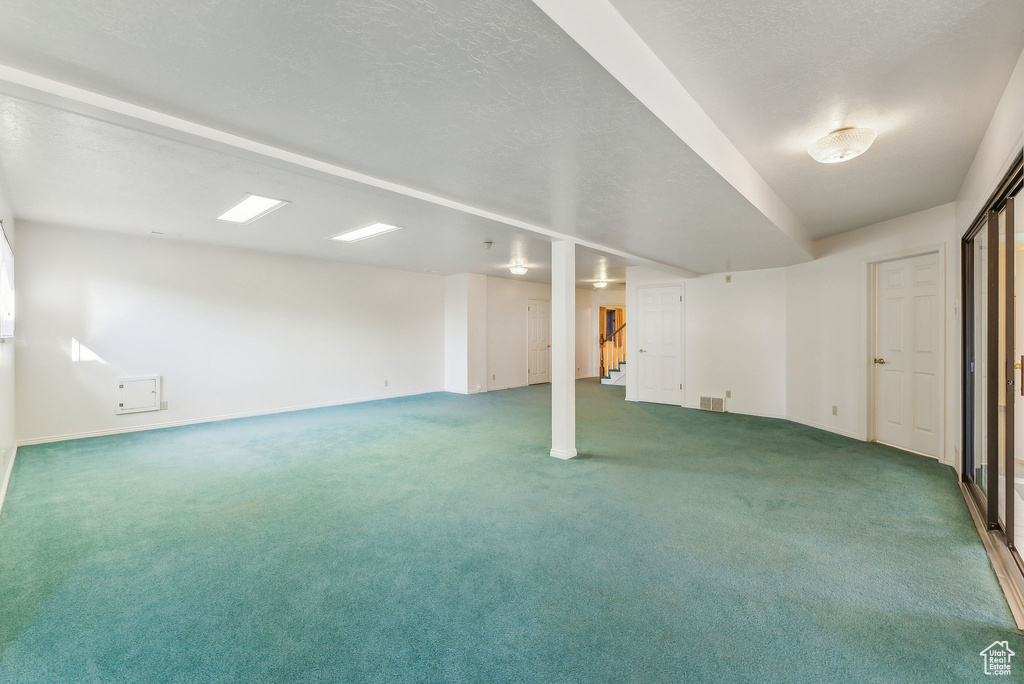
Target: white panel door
[539, 341]
[659, 343]
[908, 362]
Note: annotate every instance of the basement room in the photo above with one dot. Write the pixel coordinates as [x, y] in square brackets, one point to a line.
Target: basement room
[511, 341]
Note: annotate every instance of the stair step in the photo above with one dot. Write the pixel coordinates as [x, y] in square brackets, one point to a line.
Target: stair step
[615, 377]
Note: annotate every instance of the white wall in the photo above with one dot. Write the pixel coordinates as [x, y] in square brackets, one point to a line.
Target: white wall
[1002, 142]
[735, 340]
[456, 333]
[827, 302]
[827, 305]
[232, 331]
[586, 345]
[465, 333]
[477, 307]
[793, 342]
[828, 350]
[507, 330]
[8, 441]
[734, 337]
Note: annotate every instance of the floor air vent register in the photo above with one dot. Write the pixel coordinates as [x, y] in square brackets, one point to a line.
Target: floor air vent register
[712, 404]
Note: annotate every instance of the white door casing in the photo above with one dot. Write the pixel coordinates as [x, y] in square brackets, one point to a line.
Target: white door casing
[539, 361]
[659, 344]
[908, 354]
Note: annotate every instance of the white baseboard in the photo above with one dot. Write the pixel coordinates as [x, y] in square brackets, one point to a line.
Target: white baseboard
[209, 419]
[827, 428]
[774, 416]
[756, 414]
[910, 451]
[7, 478]
[562, 454]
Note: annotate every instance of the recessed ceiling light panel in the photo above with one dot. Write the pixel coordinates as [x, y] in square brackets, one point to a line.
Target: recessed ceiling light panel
[367, 232]
[842, 144]
[250, 209]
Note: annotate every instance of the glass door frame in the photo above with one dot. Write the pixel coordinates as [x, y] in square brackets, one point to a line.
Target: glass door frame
[987, 222]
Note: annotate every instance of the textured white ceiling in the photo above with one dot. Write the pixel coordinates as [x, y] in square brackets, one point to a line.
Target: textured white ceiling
[775, 75]
[483, 101]
[72, 170]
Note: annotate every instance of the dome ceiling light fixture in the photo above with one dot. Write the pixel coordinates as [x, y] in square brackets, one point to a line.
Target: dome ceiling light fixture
[601, 284]
[518, 269]
[842, 144]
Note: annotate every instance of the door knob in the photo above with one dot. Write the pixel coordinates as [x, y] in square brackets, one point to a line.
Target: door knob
[642, 351]
[880, 361]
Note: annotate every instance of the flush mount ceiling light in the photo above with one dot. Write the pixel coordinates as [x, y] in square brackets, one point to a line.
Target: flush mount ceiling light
[367, 232]
[518, 269]
[601, 284]
[250, 209]
[842, 144]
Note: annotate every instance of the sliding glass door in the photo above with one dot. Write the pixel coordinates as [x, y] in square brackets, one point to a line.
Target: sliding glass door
[993, 356]
[980, 361]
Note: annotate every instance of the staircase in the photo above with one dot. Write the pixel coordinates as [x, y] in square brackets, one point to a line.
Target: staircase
[613, 349]
[616, 376]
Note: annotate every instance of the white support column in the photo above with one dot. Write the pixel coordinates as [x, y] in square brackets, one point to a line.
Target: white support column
[563, 349]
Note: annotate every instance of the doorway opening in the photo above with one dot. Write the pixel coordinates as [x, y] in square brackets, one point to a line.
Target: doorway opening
[611, 345]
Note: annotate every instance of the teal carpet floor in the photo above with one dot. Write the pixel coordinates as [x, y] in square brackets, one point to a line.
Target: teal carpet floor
[432, 538]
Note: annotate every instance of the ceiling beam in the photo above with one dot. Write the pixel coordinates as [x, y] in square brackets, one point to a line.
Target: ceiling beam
[600, 30]
[33, 88]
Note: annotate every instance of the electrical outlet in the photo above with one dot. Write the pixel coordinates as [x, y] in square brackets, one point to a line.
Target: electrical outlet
[835, 410]
[385, 383]
[163, 405]
[494, 376]
[728, 394]
[478, 388]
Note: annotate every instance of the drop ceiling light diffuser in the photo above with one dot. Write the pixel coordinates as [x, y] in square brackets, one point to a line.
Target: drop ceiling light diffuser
[250, 209]
[370, 231]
